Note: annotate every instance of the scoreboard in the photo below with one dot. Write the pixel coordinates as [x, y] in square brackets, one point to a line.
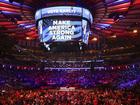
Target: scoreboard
[63, 23]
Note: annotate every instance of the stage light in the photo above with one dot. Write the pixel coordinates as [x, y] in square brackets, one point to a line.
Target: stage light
[114, 36]
[135, 31]
[28, 38]
[47, 46]
[95, 39]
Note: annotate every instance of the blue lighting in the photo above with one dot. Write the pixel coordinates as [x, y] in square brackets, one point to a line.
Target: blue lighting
[30, 26]
[120, 0]
[27, 25]
[15, 3]
[104, 25]
[117, 2]
[8, 12]
[64, 10]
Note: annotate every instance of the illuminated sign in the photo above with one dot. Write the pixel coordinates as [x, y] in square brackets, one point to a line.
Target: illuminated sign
[61, 30]
[54, 27]
[64, 11]
[52, 30]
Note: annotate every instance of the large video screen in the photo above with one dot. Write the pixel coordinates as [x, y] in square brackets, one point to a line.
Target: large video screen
[58, 30]
[63, 23]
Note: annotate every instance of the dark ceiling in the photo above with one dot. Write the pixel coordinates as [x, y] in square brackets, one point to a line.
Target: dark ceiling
[115, 21]
[112, 18]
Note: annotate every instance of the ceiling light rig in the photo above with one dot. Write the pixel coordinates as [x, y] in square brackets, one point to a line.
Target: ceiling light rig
[117, 16]
[114, 36]
[135, 31]
[95, 39]
[28, 38]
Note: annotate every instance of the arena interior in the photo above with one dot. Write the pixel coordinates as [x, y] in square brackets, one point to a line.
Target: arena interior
[69, 52]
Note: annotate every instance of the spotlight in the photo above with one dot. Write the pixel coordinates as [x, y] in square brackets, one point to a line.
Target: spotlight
[94, 39]
[114, 36]
[47, 46]
[116, 16]
[135, 31]
[28, 38]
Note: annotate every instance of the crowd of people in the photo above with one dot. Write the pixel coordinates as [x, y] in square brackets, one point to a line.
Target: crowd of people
[93, 87]
[77, 97]
[85, 78]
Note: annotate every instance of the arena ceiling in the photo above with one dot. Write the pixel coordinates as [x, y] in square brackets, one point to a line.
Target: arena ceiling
[112, 18]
